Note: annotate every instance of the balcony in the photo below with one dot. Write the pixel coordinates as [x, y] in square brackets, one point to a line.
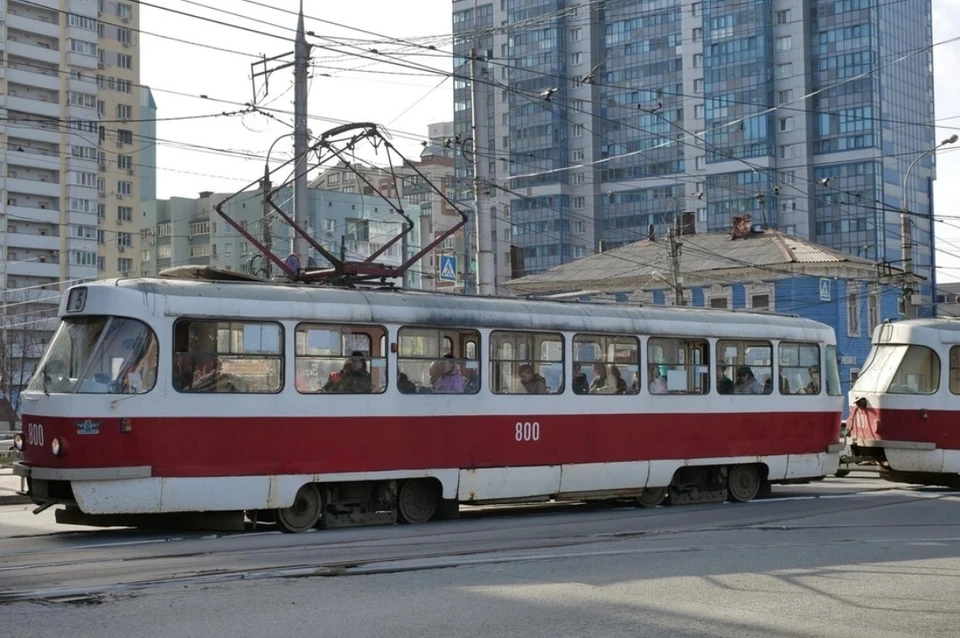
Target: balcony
[33, 52]
[37, 241]
[53, 5]
[32, 131]
[81, 60]
[33, 107]
[47, 215]
[39, 269]
[27, 159]
[82, 86]
[32, 25]
[33, 187]
[33, 77]
[83, 113]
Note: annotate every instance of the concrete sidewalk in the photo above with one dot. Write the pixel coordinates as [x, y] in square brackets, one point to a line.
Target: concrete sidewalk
[9, 486]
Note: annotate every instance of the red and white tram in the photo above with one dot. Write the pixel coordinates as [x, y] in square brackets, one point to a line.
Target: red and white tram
[905, 405]
[361, 406]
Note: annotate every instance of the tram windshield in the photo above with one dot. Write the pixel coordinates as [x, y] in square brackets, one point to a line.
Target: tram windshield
[98, 355]
[900, 369]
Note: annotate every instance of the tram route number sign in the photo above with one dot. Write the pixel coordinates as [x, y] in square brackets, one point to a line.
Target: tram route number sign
[824, 290]
[447, 268]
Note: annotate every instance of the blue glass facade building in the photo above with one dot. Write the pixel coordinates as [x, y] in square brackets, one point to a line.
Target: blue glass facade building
[804, 115]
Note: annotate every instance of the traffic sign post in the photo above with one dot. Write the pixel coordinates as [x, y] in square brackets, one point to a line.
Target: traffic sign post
[447, 268]
[824, 290]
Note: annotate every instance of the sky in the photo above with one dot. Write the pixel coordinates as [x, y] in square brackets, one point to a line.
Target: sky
[346, 88]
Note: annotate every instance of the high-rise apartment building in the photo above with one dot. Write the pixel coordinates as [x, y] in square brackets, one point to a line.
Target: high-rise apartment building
[69, 90]
[608, 118]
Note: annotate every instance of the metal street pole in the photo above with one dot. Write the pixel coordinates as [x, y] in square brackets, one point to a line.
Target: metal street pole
[906, 233]
[300, 139]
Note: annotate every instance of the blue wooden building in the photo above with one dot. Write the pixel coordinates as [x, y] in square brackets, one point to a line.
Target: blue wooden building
[763, 271]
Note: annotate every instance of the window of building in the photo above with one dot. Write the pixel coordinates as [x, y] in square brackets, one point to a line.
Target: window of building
[783, 43]
[701, 162]
[228, 356]
[697, 34]
[579, 252]
[164, 230]
[124, 265]
[744, 367]
[576, 59]
[199, 228]
[785, 70]
[125, 188]
[799, 368]
[144, 255]
[102, 185]
[340, 359]
[697, 60]
[678, 366]
[124, 136]
[125, 161]
[783, 17]
[698, 111]
[577, 155]
[606, 364]
[785, 96]
[435, 361]
[125, 36]
[577, 130]
[124, 61]
[526, 363]
[576, 34]
[853, 313]
[786, 151]
[124, 11]
[785, 124]
[124, 111]
[125, 240]
[696, 9]
[760, 302]
[83, 48]
[698, 85]
[873, 311]
[164, 252]
[579, 203]
[718, 302]
[579, 228]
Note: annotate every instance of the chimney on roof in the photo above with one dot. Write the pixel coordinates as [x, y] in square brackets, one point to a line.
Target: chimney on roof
[741, 226]
[651, 235]
[602, 246]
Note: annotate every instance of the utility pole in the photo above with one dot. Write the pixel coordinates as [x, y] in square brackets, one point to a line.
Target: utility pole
[480, 90]
[301, 203]
[906, 246]
[265, 221]
[675, 246]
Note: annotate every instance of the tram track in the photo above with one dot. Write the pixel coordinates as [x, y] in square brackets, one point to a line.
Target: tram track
[124, 567]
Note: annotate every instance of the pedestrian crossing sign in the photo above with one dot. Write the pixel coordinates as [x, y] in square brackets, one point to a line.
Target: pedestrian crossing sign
[448, 268]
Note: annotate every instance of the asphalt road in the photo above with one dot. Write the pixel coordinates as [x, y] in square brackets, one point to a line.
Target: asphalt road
[853, 557]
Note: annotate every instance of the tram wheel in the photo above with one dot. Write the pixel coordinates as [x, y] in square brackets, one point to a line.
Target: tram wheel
[652, 496]
[304, 513]
[744, 483]
[418, 500]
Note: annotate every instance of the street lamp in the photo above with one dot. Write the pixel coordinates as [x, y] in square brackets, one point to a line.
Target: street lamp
[906, 233]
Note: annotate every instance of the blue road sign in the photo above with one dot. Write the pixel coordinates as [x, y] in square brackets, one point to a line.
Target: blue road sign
[293, 263]
[448, 268]
[824, 290]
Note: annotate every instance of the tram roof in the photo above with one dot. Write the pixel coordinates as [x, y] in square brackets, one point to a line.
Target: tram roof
[432, 307]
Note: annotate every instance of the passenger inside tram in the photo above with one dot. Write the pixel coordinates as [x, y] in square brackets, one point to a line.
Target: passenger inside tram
[725, 384]
[658, 384]
[747, 383]
[448, 379]
[580, 383]
[814, 386]
[532, 382]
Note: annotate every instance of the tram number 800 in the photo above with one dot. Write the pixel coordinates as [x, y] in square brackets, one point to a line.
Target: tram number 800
[528, 431]
[35, 434]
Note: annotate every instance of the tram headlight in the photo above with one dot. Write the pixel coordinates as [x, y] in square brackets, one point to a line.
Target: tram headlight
[55, 446]
[18, 442]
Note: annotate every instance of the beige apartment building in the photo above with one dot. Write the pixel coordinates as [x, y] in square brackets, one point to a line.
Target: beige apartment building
[69, 166]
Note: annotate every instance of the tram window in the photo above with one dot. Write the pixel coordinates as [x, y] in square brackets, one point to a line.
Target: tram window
[124, 361]
[526, 363]
[678, 366]
[606, 365]
[799, 368]
[955, 370]
[832, 369]
[918, 372]
[438, 361]
[744, 367]
[227, 356]
[340, 359]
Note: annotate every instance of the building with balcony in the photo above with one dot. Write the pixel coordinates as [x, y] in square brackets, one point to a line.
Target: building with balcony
[609, 118]
[185, 231]
[69, 165]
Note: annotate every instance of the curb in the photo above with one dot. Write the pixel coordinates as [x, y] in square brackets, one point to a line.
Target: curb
[14, 499]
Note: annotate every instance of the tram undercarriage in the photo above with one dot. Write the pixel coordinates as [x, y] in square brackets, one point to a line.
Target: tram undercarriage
[412, 501]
